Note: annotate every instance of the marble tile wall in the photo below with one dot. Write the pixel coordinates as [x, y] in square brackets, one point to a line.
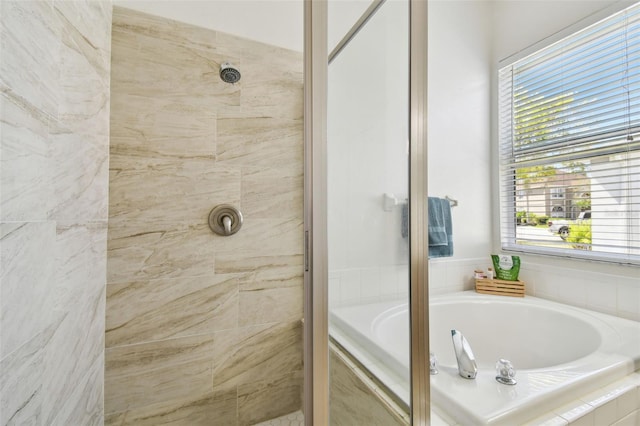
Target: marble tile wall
[202, 329]
[54, 152]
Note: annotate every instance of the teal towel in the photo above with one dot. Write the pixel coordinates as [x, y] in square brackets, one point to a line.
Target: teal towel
[441, 219]
[437, 230]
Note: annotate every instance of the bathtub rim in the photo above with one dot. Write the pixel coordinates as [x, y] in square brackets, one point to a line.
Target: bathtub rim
[621, 367]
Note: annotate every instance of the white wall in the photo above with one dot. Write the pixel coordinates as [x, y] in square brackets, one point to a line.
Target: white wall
[459, 134]
[458, 119]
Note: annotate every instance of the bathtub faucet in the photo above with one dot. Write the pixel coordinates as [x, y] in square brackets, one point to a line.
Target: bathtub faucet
[467, 367]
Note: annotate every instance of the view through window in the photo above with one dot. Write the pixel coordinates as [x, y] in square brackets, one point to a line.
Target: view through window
[570, 144]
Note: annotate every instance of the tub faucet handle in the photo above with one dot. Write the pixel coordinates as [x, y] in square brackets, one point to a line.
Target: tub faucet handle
[505, 372]
[433, 363]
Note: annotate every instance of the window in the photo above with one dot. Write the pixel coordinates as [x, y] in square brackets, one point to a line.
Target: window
[569, 120]
[557, 192]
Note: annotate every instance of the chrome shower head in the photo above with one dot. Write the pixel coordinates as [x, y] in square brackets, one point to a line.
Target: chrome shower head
[229, 73]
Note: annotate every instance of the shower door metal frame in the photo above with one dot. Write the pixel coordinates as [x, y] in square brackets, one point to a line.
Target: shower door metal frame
[316, 277]
[316, 318]
[418, 215]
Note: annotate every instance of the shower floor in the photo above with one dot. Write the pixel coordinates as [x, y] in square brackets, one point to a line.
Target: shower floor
[291, 419]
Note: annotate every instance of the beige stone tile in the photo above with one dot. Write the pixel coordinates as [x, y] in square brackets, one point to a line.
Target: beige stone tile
[263, 237]
[150, 67]
[135, 22]
[281, 97]
[214, 409]
[271, 287]
[272, 82]
[159, 120]
[146, 128]
[272, 193]
[268, 399]
[143, 311]
[252, 354]
[252, 52]
[258, 268]
[270, 301]
[260, 141]
[129, 156]
[155, 372]
[172, 196]
[272, 79]
[135, 255]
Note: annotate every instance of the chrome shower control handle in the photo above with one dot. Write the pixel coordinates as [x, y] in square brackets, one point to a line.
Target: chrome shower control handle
[225, 220]
[505, 372]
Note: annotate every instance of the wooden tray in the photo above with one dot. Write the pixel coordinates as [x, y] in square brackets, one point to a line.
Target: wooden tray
[500, 287]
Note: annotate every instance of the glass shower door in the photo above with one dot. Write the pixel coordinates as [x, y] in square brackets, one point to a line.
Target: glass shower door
[368, 226]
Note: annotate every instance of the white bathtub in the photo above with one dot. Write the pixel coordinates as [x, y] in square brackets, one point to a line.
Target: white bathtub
[560, 352]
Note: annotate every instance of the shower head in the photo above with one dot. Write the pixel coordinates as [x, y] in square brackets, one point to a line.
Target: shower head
[229, 73]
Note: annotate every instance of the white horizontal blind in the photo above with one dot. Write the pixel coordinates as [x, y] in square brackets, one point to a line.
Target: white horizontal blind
[570, 143]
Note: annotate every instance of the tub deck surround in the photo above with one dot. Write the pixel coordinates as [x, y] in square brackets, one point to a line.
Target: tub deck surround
[202, 328]
[356, 398]
[588, 350]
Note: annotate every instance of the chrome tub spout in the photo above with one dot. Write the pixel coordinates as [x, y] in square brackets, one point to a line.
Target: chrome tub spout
[467, 366]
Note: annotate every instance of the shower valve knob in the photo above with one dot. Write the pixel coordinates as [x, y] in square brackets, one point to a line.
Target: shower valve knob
[225, 220]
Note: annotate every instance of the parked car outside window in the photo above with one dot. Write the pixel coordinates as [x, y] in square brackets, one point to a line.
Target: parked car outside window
[563, 227]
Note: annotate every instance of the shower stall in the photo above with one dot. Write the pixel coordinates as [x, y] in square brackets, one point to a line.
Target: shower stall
[205, 242]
